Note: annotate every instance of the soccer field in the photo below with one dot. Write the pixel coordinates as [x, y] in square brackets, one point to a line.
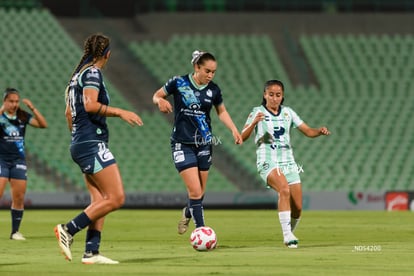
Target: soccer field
[249, 243]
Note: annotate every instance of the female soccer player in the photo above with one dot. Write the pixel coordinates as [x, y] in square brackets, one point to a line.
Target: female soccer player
[87, 106]
[271, 123]
[191, 139]
[13, 121]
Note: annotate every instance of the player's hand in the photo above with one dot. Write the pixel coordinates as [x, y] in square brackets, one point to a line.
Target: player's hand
[131, 118]
[164, 106]
[28, 103]
[324, 131]
[259, 117]
[238, 140]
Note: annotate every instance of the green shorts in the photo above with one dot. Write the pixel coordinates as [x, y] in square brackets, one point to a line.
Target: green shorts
[290, 171]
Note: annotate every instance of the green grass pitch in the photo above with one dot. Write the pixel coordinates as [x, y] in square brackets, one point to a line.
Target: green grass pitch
[249, 243]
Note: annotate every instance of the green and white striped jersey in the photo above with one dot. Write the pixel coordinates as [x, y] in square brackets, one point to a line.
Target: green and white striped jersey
[272, 135]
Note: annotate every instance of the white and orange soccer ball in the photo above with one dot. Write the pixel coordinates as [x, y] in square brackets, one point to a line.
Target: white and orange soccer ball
[203, 239]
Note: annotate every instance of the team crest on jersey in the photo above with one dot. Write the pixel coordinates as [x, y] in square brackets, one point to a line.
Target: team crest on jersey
[209, 93]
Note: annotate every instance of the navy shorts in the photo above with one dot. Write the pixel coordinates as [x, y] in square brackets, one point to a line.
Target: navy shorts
[15, 169]
[92, 156]
[187, 156]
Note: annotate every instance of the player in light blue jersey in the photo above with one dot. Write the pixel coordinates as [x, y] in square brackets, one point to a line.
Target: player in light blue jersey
[87, 106]
[13, 122]
[271, 122]
[194, 95]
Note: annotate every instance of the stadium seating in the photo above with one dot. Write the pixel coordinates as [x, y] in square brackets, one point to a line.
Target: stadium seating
[242, 88]
[361, 83]
[41, 72]
[362, 93]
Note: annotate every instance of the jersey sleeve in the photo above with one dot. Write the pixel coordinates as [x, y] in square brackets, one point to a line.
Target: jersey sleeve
[170, 87]
[251, 116]
[92, 78]
[296, 120]
[218, 99]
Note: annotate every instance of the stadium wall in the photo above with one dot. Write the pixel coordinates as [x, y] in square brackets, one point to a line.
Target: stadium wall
[321, 200]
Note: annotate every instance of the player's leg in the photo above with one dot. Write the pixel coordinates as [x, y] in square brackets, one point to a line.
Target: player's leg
[18, 191]
[4, 176]
[3, 183]
[18, 183]
[93, 233]
[186, 163]
[295, 204]
[193, 183]
[277, 180]
[109, 182]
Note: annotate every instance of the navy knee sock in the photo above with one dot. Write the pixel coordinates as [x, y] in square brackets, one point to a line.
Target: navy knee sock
[78, 223]
[16, 217]
[93, 240]
[197, 211]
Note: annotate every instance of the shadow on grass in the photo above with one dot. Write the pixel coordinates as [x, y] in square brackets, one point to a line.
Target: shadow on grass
[148, 260]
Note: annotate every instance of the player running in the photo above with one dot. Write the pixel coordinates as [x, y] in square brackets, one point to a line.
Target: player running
[271, 123]
[87, 106]
[191, 140]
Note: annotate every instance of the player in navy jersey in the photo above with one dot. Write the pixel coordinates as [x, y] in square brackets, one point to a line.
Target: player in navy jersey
[87, 106]
[271, 123]
[191, 140]
[13, 122]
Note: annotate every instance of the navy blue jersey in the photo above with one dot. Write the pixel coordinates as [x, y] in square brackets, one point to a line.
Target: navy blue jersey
[12, 131]
[87, 126]
[192, 106]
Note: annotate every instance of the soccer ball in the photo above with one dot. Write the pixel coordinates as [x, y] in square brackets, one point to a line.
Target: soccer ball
[203, 239]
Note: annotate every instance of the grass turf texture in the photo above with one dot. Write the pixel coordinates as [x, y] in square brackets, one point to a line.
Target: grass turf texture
[249, 243]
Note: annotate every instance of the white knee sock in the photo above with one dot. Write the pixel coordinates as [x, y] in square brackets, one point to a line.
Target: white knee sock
[284, 218]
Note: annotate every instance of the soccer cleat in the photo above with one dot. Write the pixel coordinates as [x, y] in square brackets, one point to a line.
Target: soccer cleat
[97, 259]
[65, 240]
[17, 236]
[291, 241]
[183, 223]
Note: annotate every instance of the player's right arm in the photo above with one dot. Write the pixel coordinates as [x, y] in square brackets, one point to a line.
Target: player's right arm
[251, 124]
[159, 99]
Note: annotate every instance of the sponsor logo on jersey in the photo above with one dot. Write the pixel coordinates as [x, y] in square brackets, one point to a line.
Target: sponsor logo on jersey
[179, 156]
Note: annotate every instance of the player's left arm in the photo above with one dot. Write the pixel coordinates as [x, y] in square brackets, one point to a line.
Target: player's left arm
[38, 120]
[224, 116]
[313, 132]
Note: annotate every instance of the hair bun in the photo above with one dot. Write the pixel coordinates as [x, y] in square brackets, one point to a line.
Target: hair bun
[196, 55]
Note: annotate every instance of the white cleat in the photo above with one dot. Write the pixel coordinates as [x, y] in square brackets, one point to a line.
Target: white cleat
[17, 236]
[97, 259]
[291, 241]
[65, 241]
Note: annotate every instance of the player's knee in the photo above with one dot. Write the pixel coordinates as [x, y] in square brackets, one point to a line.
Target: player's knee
[117, 201]
[284, 193]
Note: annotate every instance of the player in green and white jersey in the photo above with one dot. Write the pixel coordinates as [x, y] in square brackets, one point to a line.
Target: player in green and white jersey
[271, 123]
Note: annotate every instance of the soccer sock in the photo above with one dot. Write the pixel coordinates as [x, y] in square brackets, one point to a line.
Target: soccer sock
[16, 217]
[197, 212]
[284, 218]
[78, 223]
[93, 241]
[187, 209]
[294, 223]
